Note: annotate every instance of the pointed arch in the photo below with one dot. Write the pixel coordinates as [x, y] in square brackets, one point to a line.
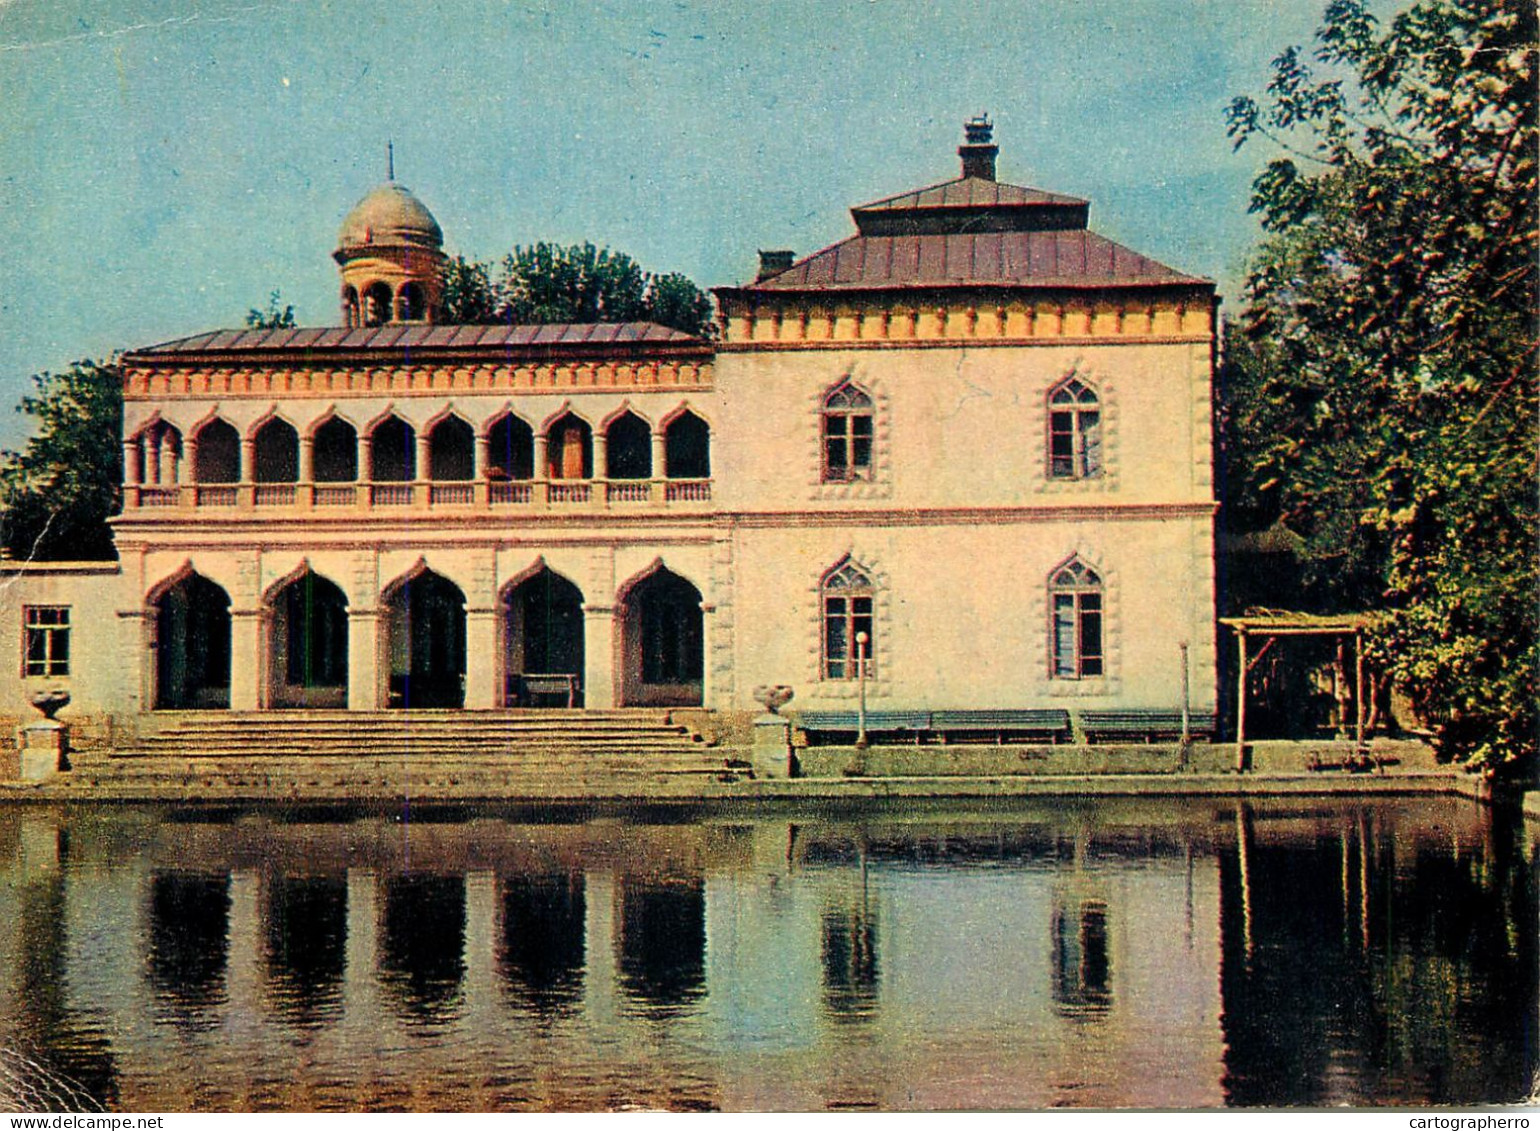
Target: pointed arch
[569, 446]
[307, 640]
[1074, 428]
[451, 447]
[330, 413]
[425, 639]
[686, 445]
[275, 449]
[510, 447]
[626, 409]
[848, 610]
[628, 446]
[1076, 612]
[848, 421]
[543, 639]
[218, 448]
[190, 657]
[662, 631]
[392, 450]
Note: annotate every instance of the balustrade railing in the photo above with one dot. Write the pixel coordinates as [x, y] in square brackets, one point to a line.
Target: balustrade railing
[274, 494]
[600, 493]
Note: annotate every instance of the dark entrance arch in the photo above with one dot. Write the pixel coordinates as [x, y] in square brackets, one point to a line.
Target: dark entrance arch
[543, 638]
[192, 646]
[427, 642]
[309, 644]
[662, 643]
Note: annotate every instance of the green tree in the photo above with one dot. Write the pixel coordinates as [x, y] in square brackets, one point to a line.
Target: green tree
[57, 494]
[1380, 393]
[277, 316]
[547, 282]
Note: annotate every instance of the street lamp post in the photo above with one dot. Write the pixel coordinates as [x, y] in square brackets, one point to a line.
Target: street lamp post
[861, 641]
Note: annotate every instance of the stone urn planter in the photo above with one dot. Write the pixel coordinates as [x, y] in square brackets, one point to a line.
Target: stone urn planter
[42, 742]
[774, 697]
[773, 756]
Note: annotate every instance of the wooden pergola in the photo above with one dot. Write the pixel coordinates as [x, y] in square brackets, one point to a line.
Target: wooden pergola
[1268, 626]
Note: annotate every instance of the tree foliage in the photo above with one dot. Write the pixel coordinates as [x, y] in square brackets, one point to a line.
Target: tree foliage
[57, 494]
[278, 315]
[547, 282]
[1379, 394]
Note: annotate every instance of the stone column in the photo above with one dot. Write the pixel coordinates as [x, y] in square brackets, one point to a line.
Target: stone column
[483, 463]
[132, 454]
[152, 459]
[247, 491]
[424, 457]
[168, 462]
[599, 647]
[247, 662]
[364, 677]
[365, 468]
[304, 494]
[540, 488]
[659, 454]
[481, 666]
[601, 456]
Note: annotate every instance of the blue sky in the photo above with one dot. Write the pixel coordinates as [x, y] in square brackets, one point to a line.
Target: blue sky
[165, 164]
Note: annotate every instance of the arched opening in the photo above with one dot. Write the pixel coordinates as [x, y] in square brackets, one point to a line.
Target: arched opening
[410, 305]
[1074, 431]
[219, 454]
[663, 643]
[349, 307]
[628, 447]
[427, 642]
[277, 453]
[336, 452]
[1075, 622]
[687, 448]
[392, 451]
[511, 449]
[451, 450]
[192, 646]
[848, 430]
[309, 644]
[159, 456]
[376, 304]
[543, 642]
[570, 449]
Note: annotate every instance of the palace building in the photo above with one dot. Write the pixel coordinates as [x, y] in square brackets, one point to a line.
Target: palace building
[968, 448]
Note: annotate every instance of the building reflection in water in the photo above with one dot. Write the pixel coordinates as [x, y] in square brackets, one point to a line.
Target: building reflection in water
[422, 946]
[1082, 968]
[850, 973]
[541, 945]
[188, 946]
[306, 947]
[662, 943]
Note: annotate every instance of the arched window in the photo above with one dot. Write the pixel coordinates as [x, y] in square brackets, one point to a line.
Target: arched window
[1075, 628]
[219, 454]
[569, 449]
[392, 451]
[511, 449]
[848, 599]
[847, 434]
[409, 303]
[336, 452]
[1074, 432]
[349, 307]
[451, 450]
[687, 448]
[277, 453]
[628, 448]
[376, 304]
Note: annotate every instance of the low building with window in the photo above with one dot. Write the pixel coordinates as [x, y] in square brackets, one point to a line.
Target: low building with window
[961, 459]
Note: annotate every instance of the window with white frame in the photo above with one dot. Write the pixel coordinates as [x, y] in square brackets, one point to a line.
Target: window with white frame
[1075, 627]
[848, 430]
[1074, 431]
[47, 640]
[848, 623]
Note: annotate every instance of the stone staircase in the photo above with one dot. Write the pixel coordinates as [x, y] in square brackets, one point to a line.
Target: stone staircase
[359, 755]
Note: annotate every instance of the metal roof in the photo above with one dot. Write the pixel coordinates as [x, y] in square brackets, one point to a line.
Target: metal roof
[968, 192]
[1075, 258]
[420, 338]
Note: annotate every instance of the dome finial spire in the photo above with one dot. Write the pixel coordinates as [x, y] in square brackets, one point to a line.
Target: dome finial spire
[390, 159]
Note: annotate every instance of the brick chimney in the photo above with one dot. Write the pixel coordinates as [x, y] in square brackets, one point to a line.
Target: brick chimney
[978, 153]
[773, 263]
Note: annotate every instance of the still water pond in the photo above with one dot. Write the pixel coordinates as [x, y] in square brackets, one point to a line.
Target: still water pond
[1143, 954]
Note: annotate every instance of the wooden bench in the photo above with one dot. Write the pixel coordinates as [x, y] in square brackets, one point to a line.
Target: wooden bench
[1147, 725]
[524, 686]
[1001, 726]
[831, 728]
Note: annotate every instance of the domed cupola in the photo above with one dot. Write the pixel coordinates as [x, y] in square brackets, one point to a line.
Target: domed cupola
[391, 253]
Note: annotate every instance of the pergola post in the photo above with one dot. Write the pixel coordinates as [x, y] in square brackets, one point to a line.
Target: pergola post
[1240, 705]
